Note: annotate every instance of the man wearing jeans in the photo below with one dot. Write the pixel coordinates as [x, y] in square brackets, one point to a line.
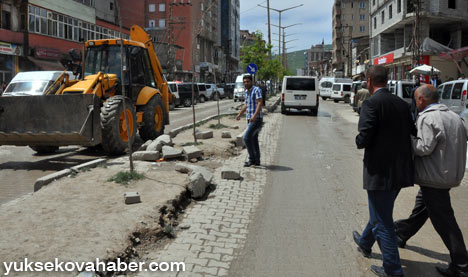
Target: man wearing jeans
[253, 107]
[385, 127]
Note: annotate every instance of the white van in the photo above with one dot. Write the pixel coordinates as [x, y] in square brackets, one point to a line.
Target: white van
[239, 89]
[401, 88]
[299, 92]
[453, 94]
[325, 87]
[341, 90]
[33, 82]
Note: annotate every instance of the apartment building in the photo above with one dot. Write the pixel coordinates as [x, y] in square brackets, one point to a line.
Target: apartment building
[230, 38]
[318, 60]
[350, 31]
[38, 34]
[399, 43]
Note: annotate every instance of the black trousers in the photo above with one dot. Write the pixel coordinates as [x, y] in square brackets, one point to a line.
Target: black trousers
[435, 204]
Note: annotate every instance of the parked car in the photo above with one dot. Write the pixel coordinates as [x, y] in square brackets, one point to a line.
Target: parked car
[185, 93]
[174, 89]
[300, 92]
[453, 94]
[341, 91]
[228, 89]
[203, 92]
[212, 91]
[401, 88]
[33, 82]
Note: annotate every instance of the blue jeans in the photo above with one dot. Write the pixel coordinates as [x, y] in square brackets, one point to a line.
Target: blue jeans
[381, 229]
[251, 139]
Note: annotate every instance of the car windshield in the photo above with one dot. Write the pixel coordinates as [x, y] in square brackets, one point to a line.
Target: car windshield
[240, 85]
[103, 59]
[31, 88]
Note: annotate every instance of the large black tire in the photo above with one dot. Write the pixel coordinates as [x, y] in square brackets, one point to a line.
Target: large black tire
[336, 100]
[40, 149]
[114, 131]
[324, 98]
[314, 112]
[202, 99]
[187, 102]
[153, 118]
[283, 109]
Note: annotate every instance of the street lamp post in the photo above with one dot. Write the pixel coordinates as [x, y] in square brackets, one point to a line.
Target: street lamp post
[284, 53]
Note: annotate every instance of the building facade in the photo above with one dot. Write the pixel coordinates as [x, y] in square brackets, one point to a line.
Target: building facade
[38, 34]
[230, 37]
[319, 60]
[405, 33]
[350, 30]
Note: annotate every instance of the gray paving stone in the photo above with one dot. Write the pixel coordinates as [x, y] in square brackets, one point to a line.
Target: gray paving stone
[204, 134]
[213, 263]
[192, 152]
[146, 155]
[169, 152]
[205, 255]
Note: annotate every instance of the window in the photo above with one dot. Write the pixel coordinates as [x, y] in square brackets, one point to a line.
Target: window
[373, 2]
[352, 17]
[111, 7]
[6, 17]
[398, 6]
[407, 89]
[300, 84]
[457, 90]
[162, 22]
[446, 92]
[362, 17]
[452, 4]
[343, 17]
[152, 23]
[362, 29]
[375, 22]
[343, 5]
[352, 4]
[362, 5]
[383, 17]
[162, 7]
[152, 8]
[390, 11]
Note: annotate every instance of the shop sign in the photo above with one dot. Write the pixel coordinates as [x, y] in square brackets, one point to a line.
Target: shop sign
[384, 59]
[47, 53]
[10, 49]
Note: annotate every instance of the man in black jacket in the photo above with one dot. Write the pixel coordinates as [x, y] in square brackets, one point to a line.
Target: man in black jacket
[385, 125]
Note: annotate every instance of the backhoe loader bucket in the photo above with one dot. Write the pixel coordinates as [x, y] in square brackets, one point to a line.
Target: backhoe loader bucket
[53, 120]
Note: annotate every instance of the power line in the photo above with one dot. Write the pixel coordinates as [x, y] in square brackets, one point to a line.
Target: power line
[252, 8]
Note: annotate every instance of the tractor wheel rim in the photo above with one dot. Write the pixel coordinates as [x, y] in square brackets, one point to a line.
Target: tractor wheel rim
[123, 126]
[158, 118]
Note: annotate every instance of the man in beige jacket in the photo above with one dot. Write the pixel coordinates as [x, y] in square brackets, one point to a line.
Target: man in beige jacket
[440, 159]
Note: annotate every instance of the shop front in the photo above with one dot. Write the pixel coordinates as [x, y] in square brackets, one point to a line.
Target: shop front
[10, 54]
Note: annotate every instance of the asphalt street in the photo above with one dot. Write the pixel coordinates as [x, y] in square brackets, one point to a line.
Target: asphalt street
[21, 166]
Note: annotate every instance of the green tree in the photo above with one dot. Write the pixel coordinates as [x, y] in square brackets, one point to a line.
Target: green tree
[257, 53]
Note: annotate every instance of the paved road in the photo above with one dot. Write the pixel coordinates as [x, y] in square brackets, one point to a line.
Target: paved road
[21, 166]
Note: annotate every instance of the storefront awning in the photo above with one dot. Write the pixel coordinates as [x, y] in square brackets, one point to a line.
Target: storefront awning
[47, 64]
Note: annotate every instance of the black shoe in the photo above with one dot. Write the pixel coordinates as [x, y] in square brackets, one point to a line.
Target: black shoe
[380, 271]
[249, 164]
[453, 272]
[366, 253]
[257, 163]
[401, 243]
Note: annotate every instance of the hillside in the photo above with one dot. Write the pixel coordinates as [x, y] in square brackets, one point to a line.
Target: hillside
[296, 60]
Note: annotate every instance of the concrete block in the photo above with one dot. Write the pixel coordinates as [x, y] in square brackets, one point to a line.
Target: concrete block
[204, 134]
[240, 140]
[197, 184]
[132, 198]
[90, 164]
[192, 152]
[230, 174]
[45, 180]
[169, 152]
[165, 140]
[188, 168]
[146, 155]
[226, 134]
[145, 145]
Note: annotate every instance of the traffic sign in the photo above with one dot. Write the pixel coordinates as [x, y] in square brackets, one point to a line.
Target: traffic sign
[252, 68]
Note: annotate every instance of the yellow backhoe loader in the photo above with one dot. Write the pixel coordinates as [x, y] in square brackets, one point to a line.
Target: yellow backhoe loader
[90, 111]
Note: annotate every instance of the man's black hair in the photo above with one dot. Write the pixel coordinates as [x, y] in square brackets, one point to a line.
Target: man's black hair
[378, 75]
[247, 77]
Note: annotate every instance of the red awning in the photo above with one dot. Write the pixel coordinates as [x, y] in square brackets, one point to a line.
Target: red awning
[47, 64]
[457, 54]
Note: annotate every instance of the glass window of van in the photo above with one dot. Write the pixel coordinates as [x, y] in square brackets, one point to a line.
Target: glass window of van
[407, 88]
[447, 90]
[346, 87]
[457, 90]
[326, 84]
[300, 84]
[440, 90]
[336, 87]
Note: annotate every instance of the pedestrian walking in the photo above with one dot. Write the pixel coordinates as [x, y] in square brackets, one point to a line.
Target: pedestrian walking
[440, 159]
[253, 109]
[264, 92]
[385, 126]
[362, 94]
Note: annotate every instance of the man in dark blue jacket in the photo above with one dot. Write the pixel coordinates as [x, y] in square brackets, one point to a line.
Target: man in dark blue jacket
[385, 126]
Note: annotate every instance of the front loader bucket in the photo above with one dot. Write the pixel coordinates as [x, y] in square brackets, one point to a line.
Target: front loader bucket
[53, 120]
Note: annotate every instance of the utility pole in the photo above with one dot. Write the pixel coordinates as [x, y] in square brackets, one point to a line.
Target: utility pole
[279, 26]
[282, 58]
[269, 28]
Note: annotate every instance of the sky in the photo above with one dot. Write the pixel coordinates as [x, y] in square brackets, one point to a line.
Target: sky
[315, 17]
